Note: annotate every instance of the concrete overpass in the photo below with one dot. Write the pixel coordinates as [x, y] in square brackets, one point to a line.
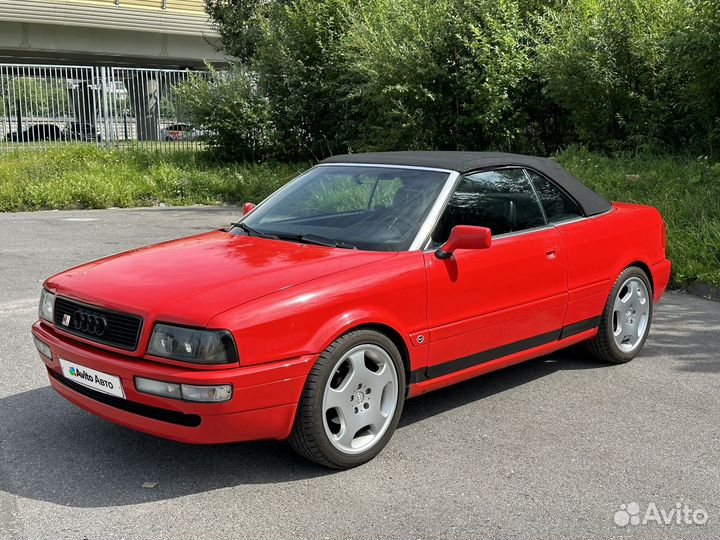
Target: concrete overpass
[137, 33]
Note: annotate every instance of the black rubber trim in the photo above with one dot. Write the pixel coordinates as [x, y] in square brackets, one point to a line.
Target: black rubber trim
[466, 362]
[582, 326]
[148, 411]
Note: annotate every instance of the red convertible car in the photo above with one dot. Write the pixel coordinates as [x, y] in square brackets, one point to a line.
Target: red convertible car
[367, 280]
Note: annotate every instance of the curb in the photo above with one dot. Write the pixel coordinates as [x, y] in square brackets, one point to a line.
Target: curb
[703, 290]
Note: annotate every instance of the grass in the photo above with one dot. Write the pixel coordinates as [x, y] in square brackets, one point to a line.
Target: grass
[84, 176]
[686, 190]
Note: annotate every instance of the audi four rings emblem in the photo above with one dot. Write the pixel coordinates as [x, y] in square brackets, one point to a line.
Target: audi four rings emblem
[87, 322]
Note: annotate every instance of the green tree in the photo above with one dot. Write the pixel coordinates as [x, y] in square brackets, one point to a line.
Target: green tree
[301, 72]
[525, 75]
[605, 62]
[437, 74]
[695, 61]
[239, 24]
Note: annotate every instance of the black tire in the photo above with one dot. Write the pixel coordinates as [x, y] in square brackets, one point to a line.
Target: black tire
[308, 436]
[603, 346]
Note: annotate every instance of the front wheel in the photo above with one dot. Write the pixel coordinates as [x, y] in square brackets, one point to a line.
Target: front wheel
[625, 322]
[352, 401]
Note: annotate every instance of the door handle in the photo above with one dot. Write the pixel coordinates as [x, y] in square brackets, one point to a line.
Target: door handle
[551, 252]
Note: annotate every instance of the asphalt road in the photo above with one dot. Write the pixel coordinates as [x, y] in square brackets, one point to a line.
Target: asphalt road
[548, 448]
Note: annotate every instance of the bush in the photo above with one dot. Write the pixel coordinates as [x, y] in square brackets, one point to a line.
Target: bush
[696, 63]
[606, 63]
[300, 70]
[234, 115]
[330, 76]
[436, 74]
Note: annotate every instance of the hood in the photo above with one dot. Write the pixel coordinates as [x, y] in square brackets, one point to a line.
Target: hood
[190, 280]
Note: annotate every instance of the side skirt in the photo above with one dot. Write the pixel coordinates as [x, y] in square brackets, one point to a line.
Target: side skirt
[432, 377]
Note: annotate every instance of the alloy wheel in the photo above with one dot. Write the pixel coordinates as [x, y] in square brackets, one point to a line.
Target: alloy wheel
[360, 398]
[631, 312]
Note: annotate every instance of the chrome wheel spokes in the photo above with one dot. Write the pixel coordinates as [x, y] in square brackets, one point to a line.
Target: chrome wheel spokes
[631, 312]
[360, 398]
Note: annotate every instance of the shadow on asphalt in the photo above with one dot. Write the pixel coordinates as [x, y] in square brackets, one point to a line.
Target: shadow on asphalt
[495, 382]
[53, 451]
[687, 334]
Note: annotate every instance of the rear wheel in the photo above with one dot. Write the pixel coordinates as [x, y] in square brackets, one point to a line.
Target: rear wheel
[625, 322]
[352, 401]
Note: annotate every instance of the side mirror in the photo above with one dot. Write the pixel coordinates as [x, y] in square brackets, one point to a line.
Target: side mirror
[248, 207]
[465, 237]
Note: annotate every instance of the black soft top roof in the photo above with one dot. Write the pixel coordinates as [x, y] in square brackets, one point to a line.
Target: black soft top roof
[463, 162]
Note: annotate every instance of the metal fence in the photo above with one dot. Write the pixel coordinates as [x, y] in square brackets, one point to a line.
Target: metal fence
[44, 105]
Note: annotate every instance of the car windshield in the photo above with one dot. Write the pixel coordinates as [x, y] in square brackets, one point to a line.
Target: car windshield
[370, 208]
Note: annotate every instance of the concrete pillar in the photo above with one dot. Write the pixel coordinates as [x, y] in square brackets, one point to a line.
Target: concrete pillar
[145, 97]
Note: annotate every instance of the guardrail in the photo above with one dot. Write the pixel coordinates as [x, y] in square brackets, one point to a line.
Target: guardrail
[44, 105]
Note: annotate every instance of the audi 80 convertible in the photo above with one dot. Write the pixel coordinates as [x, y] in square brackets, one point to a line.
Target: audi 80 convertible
[367, 280]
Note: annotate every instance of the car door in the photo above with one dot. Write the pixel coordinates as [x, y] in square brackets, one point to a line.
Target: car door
[588, 279]
[488, 303]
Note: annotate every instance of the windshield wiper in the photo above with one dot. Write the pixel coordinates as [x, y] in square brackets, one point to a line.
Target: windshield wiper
[302, 237]
[254, 232]
[316, 239]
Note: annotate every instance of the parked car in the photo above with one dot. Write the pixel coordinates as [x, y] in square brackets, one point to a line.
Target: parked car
[180, 132]
[369, 279]
[36, 132]
[81, 131]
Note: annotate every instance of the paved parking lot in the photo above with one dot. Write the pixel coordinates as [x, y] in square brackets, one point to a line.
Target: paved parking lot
[549, 448]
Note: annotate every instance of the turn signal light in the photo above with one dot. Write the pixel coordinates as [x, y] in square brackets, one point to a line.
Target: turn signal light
[43, 348]
[187, 392]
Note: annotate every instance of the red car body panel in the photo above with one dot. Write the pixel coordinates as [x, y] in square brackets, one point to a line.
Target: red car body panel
[527, 295]
[510, 292]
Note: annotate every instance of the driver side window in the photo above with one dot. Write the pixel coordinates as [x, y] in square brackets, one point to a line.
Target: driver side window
[502, 200]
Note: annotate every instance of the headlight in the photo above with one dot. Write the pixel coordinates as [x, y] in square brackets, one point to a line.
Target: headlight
[47, 306]
[193, 345]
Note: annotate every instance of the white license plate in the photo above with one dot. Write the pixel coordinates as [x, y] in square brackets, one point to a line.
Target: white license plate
[92, 378]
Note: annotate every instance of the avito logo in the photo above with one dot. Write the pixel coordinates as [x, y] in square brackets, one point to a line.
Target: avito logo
[681, 514]
[82, 374]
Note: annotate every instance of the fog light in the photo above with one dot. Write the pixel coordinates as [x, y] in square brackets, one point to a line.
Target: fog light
[158, 388]
[43, 348]
[208, 394]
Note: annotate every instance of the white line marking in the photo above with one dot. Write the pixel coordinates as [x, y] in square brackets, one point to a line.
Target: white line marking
[18, 306]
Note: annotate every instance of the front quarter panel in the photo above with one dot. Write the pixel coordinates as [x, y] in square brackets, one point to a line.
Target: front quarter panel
[306, 318]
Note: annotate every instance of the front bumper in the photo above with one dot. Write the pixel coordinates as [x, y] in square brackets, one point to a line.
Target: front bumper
[263, 405]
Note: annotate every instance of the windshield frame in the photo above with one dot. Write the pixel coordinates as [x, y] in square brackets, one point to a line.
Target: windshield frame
[433, 215]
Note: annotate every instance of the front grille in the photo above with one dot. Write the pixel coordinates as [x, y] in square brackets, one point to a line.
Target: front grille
[112, 328]
[156, 413]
